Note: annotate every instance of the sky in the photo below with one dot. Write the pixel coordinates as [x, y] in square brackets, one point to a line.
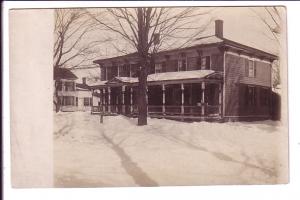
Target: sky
[241, 24]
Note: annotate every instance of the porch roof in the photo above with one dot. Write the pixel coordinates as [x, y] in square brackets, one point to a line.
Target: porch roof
[97, 83]
[167, 76]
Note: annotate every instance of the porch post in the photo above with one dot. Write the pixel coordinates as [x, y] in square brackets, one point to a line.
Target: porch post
[130, 73]
[147, 98]
[203, 99]
[109, 97]
[164, 99]
[92, 101]
[103, 100]
[182, 99]
[220, 99]
[123, 99]
[131, 101]
[118, 70]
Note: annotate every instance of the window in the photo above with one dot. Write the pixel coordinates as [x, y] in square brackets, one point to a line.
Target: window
[158, 67]
[264, 96]
[86, 101]
[103, 74]
[182, 64]
[250, 67]
[250, 98]
[69, 86]
[203, 62]
[68, 100]
[59, 85]
[124, 70]
[109, 73]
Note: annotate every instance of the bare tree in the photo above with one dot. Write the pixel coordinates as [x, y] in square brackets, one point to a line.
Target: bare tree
[271, 17]
[148, 30]
[72, 48]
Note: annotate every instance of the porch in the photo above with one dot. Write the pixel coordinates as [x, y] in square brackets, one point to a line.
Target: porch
[182, 101]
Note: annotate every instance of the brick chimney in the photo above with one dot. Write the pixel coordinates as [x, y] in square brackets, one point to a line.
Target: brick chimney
[84, 80]
[219, 28]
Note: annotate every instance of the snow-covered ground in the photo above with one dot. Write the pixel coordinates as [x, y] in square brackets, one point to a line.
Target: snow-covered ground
[166, 152]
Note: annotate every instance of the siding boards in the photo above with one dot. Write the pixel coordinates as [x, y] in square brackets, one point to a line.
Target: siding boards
[236, 83]
[217, 62]
[262, 75]
[232, 78]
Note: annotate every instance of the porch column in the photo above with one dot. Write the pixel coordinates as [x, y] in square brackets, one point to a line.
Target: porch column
[109, 97]
[103, 99]
[163, 99]
[147, 98]
[92, 101]
[130, 73]
[123, 99]
[182, 98]
[118, 70]
[220, 99]
[131, 100]
[203, 99]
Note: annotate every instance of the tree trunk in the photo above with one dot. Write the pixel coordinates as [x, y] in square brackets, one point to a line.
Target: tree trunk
[56, 100]
[143, 31]
[142, 95]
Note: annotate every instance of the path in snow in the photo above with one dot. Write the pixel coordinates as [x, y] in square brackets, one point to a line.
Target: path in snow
[119, 153]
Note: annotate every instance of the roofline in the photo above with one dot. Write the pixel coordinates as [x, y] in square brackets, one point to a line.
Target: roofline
[99, 61]
[239, 45]
[224, 42]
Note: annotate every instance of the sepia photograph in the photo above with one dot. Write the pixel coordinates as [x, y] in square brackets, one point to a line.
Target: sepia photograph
[166, 96]
[163, 96]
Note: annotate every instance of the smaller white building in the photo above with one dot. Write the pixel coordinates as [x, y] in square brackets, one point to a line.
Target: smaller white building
[73, 94]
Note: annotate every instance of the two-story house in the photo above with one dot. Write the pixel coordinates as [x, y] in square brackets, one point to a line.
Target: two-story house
[72, 95]
[212, 78]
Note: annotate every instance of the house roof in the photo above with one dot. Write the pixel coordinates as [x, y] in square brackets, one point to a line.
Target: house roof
[63, 73]
[203, 41]
[167, 76]
[89, 73]
[82, 86]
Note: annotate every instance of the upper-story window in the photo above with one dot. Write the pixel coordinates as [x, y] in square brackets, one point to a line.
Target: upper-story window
[250, 67]
[103, 73]
[69, 86]
[182, 64]
[203, 62]
[160, 67]
[59, 86]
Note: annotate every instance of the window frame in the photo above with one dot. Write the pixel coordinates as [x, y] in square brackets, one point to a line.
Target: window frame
[250, 68]
[86, 101]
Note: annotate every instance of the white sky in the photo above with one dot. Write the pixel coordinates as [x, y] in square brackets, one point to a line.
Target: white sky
[241, 24]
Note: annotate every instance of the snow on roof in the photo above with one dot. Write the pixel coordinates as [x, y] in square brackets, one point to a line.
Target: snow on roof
[127, 79]
[205, 40]
[88, 73]
[168, 76]
[96, 83]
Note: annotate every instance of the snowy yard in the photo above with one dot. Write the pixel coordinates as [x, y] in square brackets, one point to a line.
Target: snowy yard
[165, 152]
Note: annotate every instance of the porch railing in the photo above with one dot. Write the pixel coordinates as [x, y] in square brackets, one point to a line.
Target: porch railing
[209, 110]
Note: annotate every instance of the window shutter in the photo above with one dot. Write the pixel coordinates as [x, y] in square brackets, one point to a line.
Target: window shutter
[198, 62]
[247, 67]
[247, 96]
[207, 63]
[163, 66]
[254, 68]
